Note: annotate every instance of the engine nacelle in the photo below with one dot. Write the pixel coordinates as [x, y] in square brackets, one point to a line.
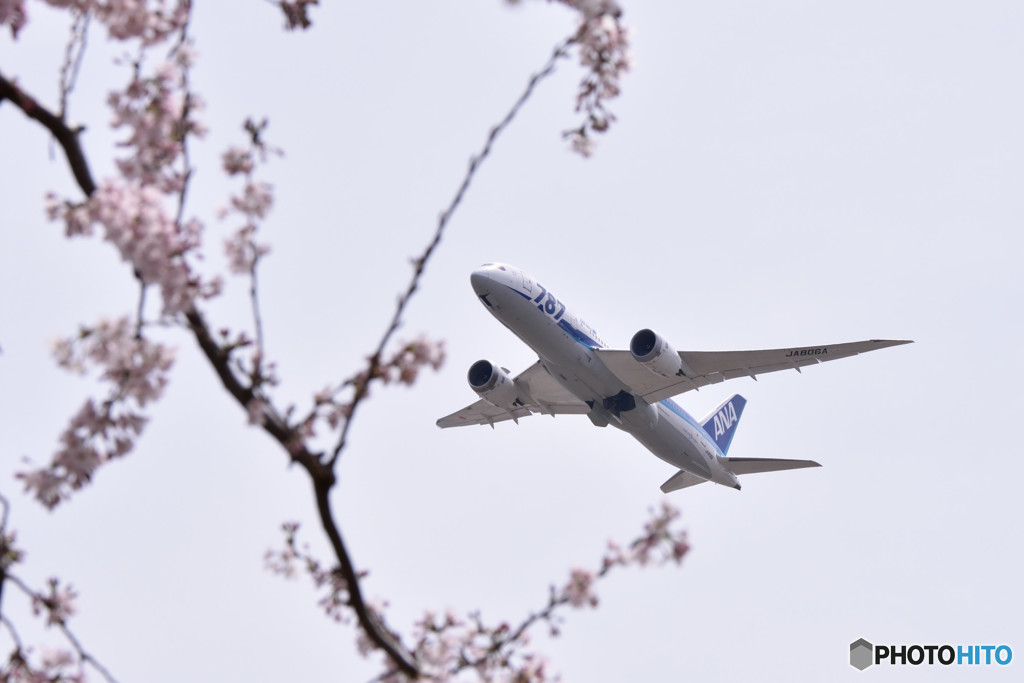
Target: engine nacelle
[492, 384]
[652, 350]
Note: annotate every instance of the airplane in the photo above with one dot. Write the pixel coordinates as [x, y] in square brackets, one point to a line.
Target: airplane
[631, 389]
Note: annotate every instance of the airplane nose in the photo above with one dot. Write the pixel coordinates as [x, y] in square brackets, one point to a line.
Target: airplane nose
[481, 282]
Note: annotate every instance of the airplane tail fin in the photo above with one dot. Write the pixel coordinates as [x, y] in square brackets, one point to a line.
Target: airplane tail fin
[721, 423]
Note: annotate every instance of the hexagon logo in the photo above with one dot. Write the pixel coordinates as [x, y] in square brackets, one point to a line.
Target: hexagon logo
[861, 654]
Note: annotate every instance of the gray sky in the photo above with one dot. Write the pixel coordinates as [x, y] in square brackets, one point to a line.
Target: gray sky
[781, 173]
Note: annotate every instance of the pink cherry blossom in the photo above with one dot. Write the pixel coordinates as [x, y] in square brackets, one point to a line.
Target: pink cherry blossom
[237, 160]
[12, 13]
[58, 604]
[256, 200]
[137, 370]
[579, 590]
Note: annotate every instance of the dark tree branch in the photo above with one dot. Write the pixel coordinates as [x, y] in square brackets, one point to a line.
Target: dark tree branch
[67, 137]
[322, 476]
[323, 480]
[371, 622]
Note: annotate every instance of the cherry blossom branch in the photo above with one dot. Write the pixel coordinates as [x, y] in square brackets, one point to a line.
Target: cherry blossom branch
[67, 137]
[57, 604]
[420, 264]
[447, 645]
[323, 479]
[244, 253]
[131, 211]
[219, 358]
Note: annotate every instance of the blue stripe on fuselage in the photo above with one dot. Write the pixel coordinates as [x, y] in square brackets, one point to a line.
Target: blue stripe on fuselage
[579, 335]
[522, 294]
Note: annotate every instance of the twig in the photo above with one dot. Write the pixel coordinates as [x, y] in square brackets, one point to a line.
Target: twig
[421, 262]
[73, 60]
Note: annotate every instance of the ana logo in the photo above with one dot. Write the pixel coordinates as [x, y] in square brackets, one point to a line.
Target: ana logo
[724, 419]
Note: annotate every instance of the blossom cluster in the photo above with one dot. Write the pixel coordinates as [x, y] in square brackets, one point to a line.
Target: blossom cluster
[253, 204]
[403, 367]
[12, 13]
[136, 221]
[150, 21]
[137, 370]
[283, 562]
[55, 665]
[56, 603]
[604, 55]
[158, 111]
[448, 645]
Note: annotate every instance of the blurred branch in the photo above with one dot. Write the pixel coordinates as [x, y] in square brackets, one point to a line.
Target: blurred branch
[74, 51]
[57, 606]
[67, 137]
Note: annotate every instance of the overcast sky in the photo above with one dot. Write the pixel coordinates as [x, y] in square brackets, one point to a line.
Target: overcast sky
[781, 174]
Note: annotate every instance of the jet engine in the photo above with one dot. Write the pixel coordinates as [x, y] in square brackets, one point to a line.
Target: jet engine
[493, 385]
[652, 350]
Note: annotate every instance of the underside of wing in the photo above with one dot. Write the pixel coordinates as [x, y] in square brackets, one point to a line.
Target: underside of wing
[681, 480]
[537, 392]
[701, 368]
[481, 413]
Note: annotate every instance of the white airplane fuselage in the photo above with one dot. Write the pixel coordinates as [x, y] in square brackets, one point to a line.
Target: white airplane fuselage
[565, 345]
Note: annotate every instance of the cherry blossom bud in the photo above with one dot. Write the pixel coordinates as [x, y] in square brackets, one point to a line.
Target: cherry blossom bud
[579, 590]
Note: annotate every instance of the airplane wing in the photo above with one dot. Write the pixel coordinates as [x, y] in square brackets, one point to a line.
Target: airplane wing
[702, 368]
[538, 393]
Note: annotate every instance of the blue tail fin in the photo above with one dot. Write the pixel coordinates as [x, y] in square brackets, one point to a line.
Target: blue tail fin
[721, 423]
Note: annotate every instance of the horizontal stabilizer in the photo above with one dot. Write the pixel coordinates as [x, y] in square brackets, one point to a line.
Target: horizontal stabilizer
[755, 465]
[680, 480]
